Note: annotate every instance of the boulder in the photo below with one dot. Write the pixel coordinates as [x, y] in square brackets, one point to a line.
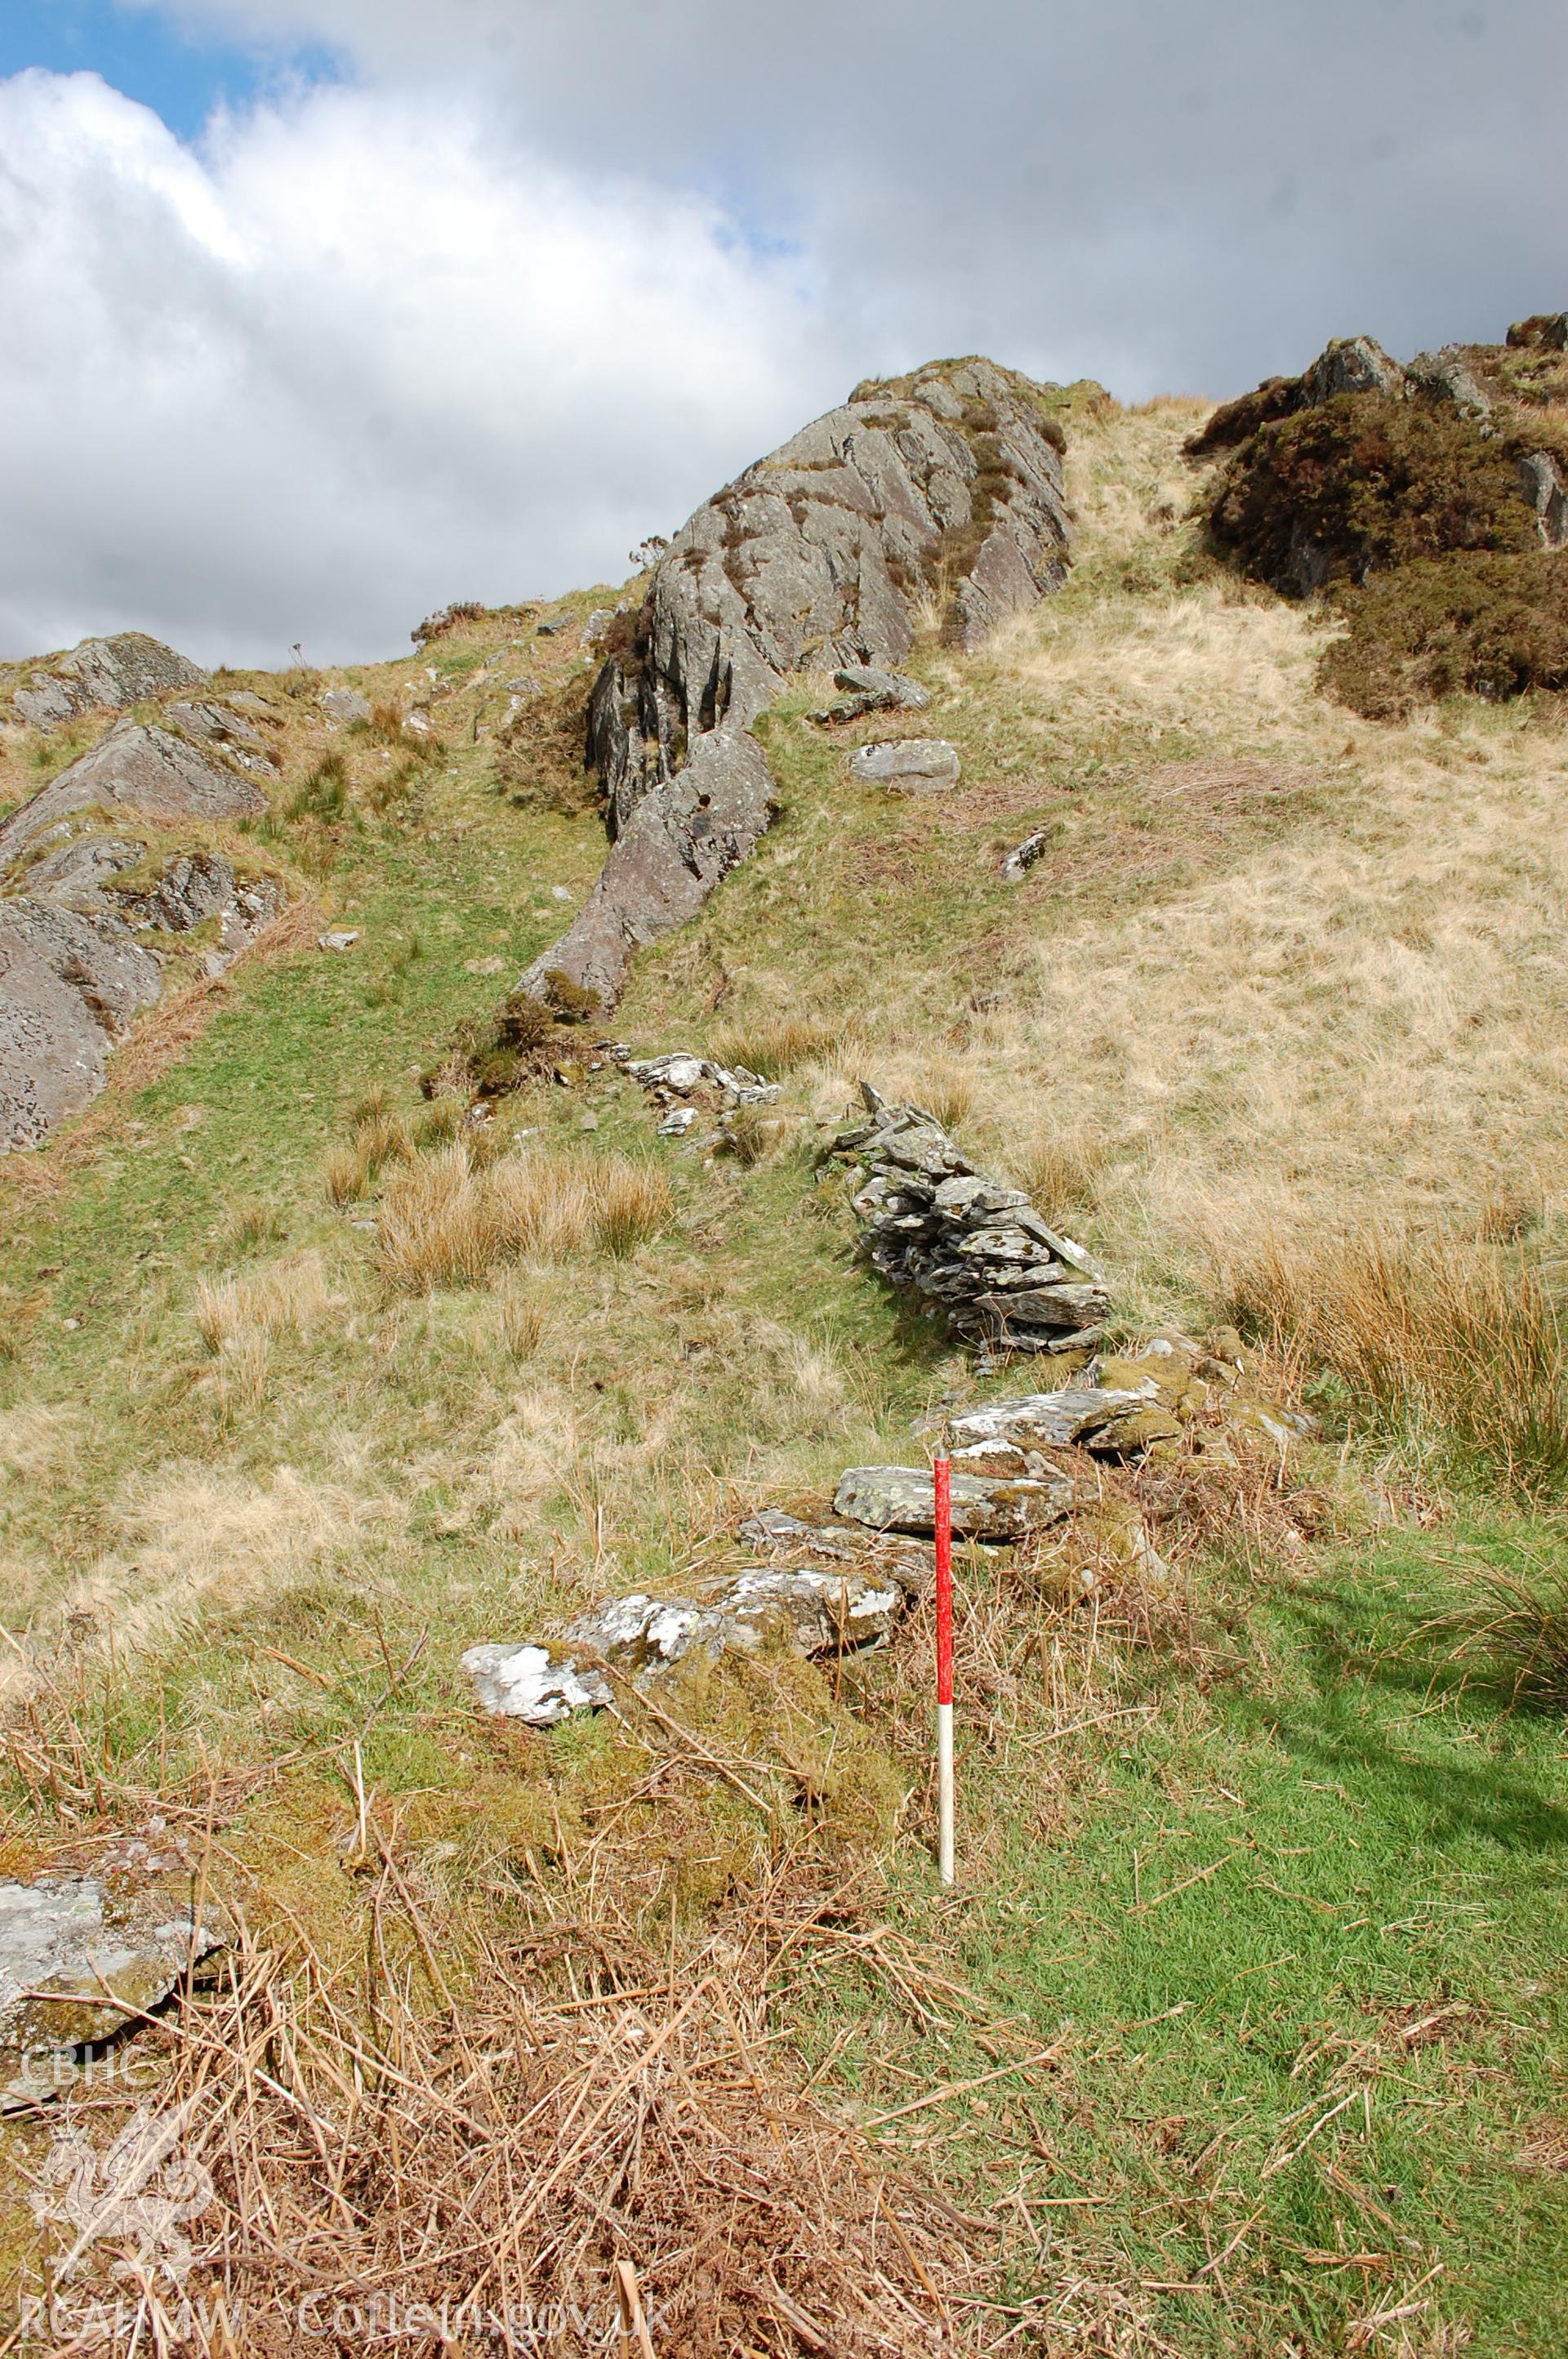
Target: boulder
[908, 766]
[83, 1956]
[816, 554]
[676, 847]
[1544, 331]
[137, 767]
[1023, 856]
[985, 1507]
[885, 691]
[1446, 376]
[868, 690]
[533, 1683]
[1349, 364]
[343, 704]
[1543, 488]
[116, 672]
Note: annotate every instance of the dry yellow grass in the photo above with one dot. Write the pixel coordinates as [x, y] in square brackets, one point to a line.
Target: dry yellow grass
[1452, 1330]
[445, 1220]
[1368, 1004]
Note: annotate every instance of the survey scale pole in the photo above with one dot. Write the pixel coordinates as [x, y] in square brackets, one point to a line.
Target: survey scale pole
[942, 1472]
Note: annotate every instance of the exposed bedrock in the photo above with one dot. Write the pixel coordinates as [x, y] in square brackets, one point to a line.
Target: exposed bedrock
[136, 768]
[113, 673]
[946, 484]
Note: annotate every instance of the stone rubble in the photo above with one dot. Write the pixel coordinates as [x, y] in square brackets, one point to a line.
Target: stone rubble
[800, 1608]
[964, 1244]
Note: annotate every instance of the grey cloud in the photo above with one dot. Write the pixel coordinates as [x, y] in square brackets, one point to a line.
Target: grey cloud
[1203, 191]
[1166, 198]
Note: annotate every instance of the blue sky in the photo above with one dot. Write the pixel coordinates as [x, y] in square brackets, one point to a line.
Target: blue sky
[180, 76]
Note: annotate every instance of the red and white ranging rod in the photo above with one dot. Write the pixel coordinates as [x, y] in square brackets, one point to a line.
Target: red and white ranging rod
[943, 1474]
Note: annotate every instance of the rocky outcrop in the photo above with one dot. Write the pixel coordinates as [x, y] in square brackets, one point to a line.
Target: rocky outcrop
[73, 976]
[676, 847]
[135, 767]
[105, 673]
[947, 483]
[968, 1246]
[69, 986]
[84, 1958]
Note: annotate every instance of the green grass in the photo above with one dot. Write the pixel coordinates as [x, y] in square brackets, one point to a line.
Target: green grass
[1393, 1848]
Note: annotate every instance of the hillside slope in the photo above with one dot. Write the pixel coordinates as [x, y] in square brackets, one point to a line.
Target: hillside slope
[1243, 2030]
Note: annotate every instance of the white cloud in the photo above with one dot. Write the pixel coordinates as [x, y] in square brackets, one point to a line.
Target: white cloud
[521, 290]
[354, 359]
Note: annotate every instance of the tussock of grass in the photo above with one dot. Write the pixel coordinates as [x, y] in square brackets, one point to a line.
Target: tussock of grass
[379, 1139]
[776, 1046]
[1458, 1333]
[444, 1220]
[289, 1296]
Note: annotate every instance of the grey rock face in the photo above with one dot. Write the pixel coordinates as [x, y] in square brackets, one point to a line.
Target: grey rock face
[73, 977]
[196, 885]
[80, 1955]
[908, 766]
[967, 1245]
[1351, 365]
[1543, 489]
[214, 725]
[75, 876]
[813, 555]
[903, 1498]
[136, 768]
[114, 673]
[677, 846]
[69, 985]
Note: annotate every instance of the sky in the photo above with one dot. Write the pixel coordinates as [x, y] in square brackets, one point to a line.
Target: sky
[318, 314]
